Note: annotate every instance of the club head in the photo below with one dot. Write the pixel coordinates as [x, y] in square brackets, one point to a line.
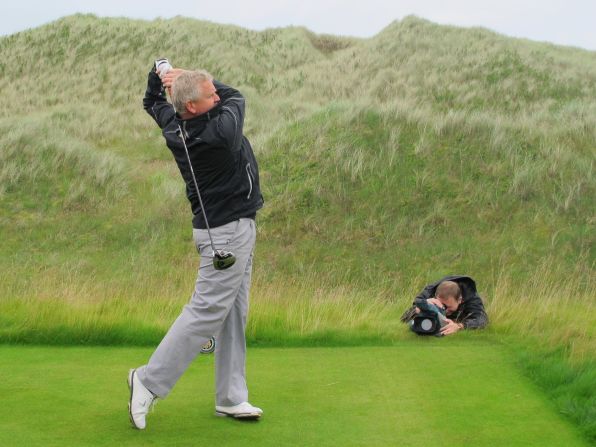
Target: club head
[223, 259]
[208, 347]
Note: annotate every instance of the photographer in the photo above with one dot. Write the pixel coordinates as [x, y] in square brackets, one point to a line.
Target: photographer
[203, 128]
[457, 297]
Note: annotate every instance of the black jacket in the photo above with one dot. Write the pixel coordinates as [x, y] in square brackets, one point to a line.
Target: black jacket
[470, 312]
[222, 158]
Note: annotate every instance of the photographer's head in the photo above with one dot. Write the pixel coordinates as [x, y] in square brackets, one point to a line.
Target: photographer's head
[193, 93]
[449, 294]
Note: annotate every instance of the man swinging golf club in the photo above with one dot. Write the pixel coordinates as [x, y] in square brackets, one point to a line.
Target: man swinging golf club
[203, 130]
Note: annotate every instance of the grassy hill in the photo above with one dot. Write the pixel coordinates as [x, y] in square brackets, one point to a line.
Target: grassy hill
[386, 163]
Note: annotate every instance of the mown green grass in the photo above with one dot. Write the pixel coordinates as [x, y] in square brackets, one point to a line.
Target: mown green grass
[426, 391]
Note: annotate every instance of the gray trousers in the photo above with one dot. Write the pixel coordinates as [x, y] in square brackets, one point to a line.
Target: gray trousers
[218, 307]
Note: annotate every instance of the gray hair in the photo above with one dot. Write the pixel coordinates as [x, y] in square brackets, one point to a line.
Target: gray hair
[187, 87]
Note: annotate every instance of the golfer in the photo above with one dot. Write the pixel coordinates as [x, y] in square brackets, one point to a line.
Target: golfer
[210, 116]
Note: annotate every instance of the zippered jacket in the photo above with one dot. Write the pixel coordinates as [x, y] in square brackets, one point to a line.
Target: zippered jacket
[221, 156]
[470, 312]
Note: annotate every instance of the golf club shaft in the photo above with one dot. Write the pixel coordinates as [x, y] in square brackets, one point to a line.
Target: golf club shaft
[194, 179]
[221, 259]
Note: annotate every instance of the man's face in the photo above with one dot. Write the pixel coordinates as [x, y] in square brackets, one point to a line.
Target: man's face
[208, 100]
[451, 303]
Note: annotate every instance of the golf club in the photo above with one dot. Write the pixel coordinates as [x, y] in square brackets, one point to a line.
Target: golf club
[221, 259]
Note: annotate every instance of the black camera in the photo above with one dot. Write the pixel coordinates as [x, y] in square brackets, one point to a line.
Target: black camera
[430, 320]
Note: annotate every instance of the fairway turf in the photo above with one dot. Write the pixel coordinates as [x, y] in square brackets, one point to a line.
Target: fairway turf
[419, 392]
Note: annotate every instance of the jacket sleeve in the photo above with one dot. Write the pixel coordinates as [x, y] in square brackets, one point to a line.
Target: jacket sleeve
[475, 316]
[230, 121]
[427, 292]
[155, 102]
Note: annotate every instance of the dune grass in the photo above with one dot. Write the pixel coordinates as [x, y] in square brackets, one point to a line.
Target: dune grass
[410, 394]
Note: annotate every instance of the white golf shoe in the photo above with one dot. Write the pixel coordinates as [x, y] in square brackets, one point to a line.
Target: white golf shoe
[140, 402]
[240, 411]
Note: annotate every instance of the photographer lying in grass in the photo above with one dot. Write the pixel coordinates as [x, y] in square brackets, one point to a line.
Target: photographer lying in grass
[456, 298]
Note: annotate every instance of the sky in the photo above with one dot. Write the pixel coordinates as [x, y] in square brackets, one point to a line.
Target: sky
[571, 22]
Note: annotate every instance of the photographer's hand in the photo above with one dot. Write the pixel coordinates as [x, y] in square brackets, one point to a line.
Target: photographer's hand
[451, 327]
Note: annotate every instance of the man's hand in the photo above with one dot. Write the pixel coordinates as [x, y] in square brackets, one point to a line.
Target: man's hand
[168, 78]
[451, 327]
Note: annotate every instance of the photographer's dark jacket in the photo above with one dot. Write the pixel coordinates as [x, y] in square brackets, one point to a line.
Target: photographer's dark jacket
[470, 312]
[222, 158]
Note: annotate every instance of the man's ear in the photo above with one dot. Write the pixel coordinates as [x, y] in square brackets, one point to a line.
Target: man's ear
[190, 108]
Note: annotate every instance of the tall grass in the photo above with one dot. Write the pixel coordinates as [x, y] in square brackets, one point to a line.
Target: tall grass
[301, 311]
[557, 313]
[36, 154]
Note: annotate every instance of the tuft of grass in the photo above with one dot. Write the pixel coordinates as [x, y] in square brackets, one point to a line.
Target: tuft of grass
[56, 169]
[555, 314]
[571, 388]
